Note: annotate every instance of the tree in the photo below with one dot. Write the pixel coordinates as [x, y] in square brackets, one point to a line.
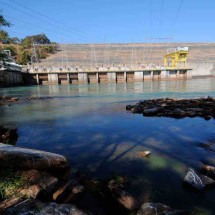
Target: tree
[4, 37]
[37, 39]
[12, 49]
[24, 57]
[3, 22]
[14, 40]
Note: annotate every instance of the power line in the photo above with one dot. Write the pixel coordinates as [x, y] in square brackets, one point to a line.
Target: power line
[38, 27]
[47, 17]
[36, 17]
[76, 31]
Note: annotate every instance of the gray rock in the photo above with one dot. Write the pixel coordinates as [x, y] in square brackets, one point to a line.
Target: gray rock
[197, 180]
[159, 208]
[208, 170]
[23, 158]
[34, 207]
[122, 196]
[68, 191]
[153, 209]
[40, 182]
[152, 111]
[178, 112]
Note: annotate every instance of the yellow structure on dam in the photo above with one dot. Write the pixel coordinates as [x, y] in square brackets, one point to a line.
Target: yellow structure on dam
[175, 58]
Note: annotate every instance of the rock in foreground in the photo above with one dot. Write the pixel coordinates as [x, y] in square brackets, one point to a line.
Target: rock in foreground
[197, 180]
[159, 208]
[22, 158]
[176, 108]
[8, 136]
[34, 207]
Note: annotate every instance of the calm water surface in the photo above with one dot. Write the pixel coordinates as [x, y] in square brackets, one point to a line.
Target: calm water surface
[90, 126]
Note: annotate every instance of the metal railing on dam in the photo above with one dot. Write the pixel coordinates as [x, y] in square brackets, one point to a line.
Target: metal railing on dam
[70, 75]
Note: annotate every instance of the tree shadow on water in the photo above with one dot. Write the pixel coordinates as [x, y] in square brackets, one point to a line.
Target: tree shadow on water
[157, 178]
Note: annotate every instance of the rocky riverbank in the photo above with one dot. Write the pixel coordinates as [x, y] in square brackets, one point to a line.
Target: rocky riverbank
[175, 108]
[38, 182]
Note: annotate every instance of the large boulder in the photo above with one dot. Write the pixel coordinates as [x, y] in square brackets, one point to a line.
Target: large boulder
[23, 158]
[197, 180]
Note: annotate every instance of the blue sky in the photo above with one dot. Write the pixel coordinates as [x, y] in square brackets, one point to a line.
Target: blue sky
[114, 21]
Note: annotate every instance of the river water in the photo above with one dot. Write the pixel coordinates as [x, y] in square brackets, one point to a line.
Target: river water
[90, 126]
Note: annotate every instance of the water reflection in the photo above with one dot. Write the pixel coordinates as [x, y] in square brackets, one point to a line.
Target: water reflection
[89, 125]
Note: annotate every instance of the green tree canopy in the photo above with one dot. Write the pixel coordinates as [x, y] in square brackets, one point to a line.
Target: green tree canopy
[37, 39]
[12, 49]
[14, 40]
[4, 37]
[3, 22]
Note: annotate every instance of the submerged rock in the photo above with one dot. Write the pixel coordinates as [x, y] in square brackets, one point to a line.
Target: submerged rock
[8, 136]
[23, 158]
[144, 153]
[39, 182]
[122, 196]
[197, 180]
[68, 191]
[159, 208]
[208, 170]
[5, 100]
[34, 207]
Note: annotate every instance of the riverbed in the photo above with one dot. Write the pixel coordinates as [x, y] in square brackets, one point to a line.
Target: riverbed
[90, 126]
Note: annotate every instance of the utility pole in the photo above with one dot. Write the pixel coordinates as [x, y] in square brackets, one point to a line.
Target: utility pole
[33, 53]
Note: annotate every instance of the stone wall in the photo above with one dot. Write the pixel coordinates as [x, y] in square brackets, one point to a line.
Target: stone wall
[10, 78]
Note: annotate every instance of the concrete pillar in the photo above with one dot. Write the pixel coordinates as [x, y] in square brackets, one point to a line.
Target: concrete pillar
[97, 77]
[177, 74]
[53, 78]
[37, 78]
[125, 77]
[189, 74]
[138, 76]
[151, 75]
[68, 78]
[111, 77]
[82, 78]
[164, 75]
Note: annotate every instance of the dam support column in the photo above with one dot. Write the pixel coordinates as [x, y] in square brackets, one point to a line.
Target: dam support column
[163, 75]
[189, 74]
[138, 76]
[125, 76]
[111, 77]
[177, 74]
[82, 78]
[53, 78]
[97, 77]
[151, 75]
[68, 78]
[37, 79]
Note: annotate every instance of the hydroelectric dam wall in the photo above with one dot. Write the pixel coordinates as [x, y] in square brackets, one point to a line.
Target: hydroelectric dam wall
[114, 75]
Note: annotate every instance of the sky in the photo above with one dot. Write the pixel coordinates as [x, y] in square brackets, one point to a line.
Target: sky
[112, 21]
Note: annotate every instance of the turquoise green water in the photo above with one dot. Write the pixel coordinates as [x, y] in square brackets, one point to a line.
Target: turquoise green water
[90, 126]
